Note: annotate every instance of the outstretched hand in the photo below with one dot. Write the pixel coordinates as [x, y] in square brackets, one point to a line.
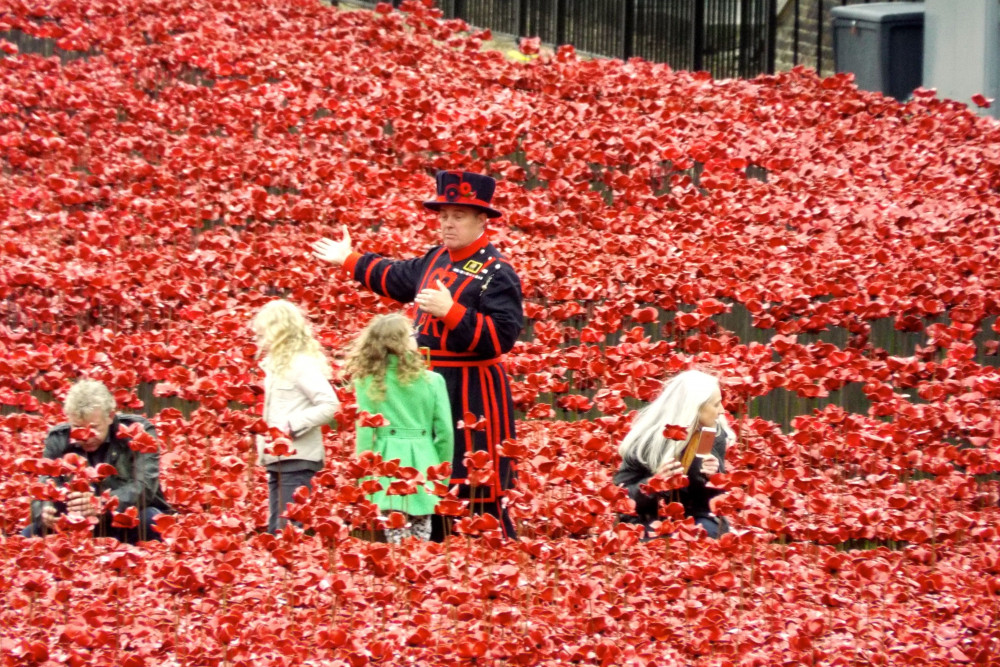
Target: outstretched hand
[436, 301]
[334, 252]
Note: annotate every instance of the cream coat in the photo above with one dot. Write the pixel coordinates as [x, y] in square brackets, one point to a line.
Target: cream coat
[302, 400]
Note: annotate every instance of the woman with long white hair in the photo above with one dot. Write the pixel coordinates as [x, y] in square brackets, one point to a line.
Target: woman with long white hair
[298, 400]
[689, 401]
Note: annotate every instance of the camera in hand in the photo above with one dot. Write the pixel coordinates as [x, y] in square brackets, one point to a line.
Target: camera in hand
[707, 441]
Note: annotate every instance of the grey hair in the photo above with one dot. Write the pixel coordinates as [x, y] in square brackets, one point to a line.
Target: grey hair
[678, 404]
[86, 396]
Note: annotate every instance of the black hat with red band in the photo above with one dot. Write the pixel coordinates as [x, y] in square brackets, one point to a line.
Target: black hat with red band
[464, 188]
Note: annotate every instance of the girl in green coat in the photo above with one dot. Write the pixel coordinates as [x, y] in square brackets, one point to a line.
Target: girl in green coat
[390, 379]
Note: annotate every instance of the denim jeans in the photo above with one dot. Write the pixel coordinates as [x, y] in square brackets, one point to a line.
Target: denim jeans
[710, 524]
[143, 532]
[280, 487]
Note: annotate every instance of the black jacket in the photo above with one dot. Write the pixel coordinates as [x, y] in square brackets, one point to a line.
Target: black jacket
[137, 480]
[693, 497]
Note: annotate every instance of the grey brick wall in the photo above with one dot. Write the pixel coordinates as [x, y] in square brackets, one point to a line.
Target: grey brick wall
[785, 53]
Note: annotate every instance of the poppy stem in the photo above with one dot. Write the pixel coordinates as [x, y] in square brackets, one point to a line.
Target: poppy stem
[687, 581]
[118, 622]
[332, 550]
[933, 539]
[466, 576]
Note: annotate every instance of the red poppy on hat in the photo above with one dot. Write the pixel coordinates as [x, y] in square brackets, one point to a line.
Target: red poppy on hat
[464, 188]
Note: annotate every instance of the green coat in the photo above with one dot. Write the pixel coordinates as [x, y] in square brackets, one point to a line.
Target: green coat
[420, 433]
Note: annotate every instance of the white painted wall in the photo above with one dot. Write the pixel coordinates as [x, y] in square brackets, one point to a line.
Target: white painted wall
[962, 50]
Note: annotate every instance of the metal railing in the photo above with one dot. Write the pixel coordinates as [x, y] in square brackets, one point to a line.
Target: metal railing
[728, 38]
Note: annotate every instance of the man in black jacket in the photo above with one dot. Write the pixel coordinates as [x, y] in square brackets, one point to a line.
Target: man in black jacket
[99, 435]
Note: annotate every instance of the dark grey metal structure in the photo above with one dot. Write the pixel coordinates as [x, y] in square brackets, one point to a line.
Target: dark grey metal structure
[882, 44]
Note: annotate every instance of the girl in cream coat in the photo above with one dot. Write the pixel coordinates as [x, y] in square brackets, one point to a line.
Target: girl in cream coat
[298, 400]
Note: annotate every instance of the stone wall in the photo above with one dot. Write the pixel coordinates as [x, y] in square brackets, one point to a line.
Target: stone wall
[786, 56]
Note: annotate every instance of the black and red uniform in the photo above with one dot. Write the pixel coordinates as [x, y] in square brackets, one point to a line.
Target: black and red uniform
[466, 345]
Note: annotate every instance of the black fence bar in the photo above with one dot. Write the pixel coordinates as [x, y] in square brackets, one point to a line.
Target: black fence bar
[698, 36]
[819, 36]
[560, 22]
[746, 27]
[797, 26]
[628, 29]
[772, 34]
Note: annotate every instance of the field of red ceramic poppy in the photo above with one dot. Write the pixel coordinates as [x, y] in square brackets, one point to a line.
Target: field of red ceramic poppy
[165, 167]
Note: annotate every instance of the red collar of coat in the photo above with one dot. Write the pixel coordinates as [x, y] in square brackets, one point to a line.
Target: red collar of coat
[471, 249]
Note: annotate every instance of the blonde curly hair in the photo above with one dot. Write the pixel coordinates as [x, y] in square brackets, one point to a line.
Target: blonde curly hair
[284, 333]
[368, 357]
